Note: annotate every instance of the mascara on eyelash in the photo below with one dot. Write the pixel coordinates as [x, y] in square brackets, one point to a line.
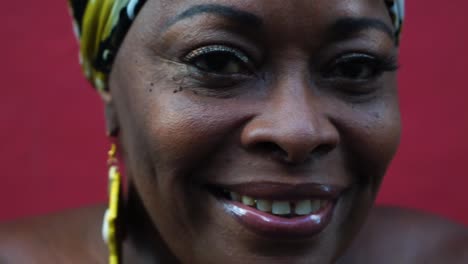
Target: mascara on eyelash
[384, 63]
[215, 48]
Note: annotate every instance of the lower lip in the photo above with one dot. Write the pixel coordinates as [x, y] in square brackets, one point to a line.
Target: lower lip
[271, 226]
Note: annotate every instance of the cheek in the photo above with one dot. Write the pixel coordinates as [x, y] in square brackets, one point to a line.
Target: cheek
[371, 137]
[183, 130]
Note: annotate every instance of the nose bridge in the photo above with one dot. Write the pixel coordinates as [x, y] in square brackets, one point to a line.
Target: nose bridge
[293, 110]
[293, 121]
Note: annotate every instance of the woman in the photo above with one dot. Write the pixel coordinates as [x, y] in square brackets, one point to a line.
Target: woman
[252, 132]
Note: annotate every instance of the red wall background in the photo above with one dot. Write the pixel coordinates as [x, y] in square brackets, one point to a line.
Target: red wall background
[53, 145]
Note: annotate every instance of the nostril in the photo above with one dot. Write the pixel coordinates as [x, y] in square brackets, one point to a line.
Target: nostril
[290, 141]
[322, 150]
[270, 148]
[274, 150]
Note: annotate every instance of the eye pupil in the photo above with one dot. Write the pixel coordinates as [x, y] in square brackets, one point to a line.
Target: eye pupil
[355, 70]
[212, 62]
[354, 67]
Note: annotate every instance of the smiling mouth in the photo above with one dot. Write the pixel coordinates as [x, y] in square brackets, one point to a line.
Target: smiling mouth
[280, 208]
[279, 211]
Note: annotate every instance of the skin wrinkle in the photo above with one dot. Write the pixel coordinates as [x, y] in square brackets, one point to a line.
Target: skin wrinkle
[176, 140]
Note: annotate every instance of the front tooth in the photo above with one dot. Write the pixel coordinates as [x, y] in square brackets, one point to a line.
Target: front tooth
[235, 197]
[264, 205]
[248, 200]
[303, 207]
[315, 205]
[281, 208]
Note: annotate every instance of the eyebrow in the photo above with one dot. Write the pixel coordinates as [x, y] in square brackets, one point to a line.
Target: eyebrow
[342, 28]
[346, 27]
[239, 16]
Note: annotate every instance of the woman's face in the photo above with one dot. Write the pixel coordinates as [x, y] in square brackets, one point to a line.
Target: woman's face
[257, 131]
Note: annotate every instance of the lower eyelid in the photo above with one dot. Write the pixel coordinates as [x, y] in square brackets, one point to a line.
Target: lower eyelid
[212, 77]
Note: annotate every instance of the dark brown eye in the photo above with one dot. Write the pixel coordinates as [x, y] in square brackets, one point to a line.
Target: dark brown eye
[358, 67]
[220, 60]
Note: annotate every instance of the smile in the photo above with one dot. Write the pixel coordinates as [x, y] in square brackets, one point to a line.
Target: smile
[280, 211]
[281, 208]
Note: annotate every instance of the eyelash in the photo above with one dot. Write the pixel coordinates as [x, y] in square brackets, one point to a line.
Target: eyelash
[215, 48]
[376, 64]
[352, 73]
[245, 64]
[356, 74]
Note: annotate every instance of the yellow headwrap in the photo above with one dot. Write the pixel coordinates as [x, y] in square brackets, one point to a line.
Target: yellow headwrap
[100, 26]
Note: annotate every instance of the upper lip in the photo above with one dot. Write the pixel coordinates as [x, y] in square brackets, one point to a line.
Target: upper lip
[285, 191]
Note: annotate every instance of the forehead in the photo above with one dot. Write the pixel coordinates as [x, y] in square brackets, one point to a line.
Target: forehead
[299, 21]
[278, 12]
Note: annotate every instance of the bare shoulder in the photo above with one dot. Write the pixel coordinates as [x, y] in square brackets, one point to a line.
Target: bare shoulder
[396, 235]
[68, 237]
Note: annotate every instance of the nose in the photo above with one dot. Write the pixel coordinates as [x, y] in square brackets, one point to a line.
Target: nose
[292, 126]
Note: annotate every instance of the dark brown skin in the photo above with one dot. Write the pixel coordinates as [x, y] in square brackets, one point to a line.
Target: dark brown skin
[298, 100]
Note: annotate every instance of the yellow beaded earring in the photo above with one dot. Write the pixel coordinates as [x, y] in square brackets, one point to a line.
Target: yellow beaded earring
[109, 227]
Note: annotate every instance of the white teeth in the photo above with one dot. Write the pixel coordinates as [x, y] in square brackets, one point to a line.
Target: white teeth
[235, 197]
[264, 205]
[303, 207]
[281, 208]
[248, 200]
[315, 205]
